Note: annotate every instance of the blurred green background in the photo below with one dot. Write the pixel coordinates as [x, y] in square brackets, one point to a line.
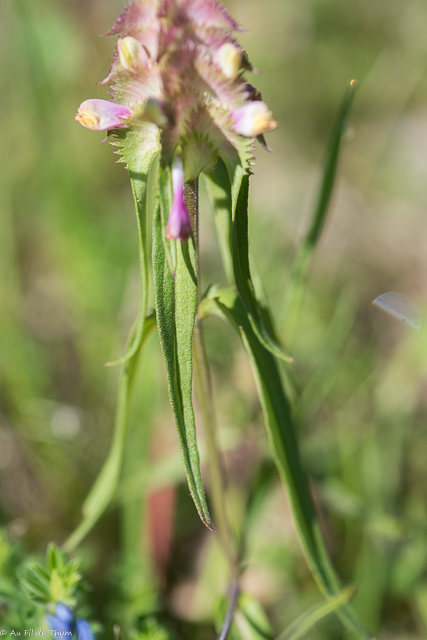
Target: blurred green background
[69, 293]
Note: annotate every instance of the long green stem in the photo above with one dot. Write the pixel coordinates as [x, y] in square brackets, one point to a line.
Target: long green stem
[204, 393]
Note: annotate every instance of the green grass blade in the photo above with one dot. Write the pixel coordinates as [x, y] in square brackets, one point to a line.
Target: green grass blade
[330, 169]
[230, 203]
[251, 619]
[295, 290]
[315, 614]
[243, 278]
[281, 434]
[176, 306]
[106, 483]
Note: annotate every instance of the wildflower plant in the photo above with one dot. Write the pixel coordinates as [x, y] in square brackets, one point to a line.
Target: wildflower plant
[182, 110]
[41, 595]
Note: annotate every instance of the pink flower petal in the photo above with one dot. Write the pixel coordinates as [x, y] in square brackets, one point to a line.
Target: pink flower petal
[179, 223]
[210, 13]
[102, 115]
[253, 119]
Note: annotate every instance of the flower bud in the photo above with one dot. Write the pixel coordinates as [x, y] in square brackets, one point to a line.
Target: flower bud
[132, 54]
[253, 119]
[229, 59]
[101, 115]
[179, 224]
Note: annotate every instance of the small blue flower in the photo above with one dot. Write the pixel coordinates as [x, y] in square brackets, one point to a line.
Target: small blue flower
[64, 622]
[84, 632]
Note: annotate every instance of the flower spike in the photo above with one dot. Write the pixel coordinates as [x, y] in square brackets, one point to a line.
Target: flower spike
[178, 66]
[102, 115]
[179, 223]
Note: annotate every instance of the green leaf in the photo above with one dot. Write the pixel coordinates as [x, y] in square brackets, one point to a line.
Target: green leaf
[251, 619]
[34, 591]
[138, 147]
[243, 278]
[330, 168]
[38, 574]
[106, 483]
[35, 581]
[54, 558]
[230, 202]
[176, 305]
[151, 630]
[318, 612]
[227, 304]
[295, 290]
[219, 193]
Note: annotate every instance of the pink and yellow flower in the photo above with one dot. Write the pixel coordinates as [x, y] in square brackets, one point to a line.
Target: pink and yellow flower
[101, 115]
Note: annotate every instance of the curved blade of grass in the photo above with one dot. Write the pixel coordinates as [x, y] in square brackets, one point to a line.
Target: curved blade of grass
[230, 202]
[315, 614]
[295, 290]
[106, 483]
[243, 278]
[227, 304]
[138, 149]
[176, 306]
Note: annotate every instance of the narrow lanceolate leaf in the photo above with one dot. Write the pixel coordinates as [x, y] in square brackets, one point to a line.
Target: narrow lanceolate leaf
[330, 168]
[176, 305]
[230, 202]
[106, 483]
[281, 433]
[318, 612]
[138, 147]
[294, 293]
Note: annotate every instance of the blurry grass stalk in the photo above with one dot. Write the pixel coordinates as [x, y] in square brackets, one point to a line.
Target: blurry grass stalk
[294, 295]
[204, 394]
[137, 455]
[106, 482]
[318, 612]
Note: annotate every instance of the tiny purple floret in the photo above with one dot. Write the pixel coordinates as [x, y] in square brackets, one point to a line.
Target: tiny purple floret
[179, 224]
[102, 115]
